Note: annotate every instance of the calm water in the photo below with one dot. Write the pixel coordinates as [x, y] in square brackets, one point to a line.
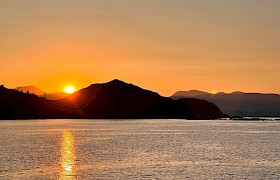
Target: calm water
[139, 149]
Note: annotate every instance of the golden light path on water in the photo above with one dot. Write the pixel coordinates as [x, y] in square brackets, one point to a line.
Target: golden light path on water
[67, 156]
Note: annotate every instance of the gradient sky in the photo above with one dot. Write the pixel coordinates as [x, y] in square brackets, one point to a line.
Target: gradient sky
[161, 45]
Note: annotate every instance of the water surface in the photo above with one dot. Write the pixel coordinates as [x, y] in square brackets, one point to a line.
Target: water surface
[139, 149]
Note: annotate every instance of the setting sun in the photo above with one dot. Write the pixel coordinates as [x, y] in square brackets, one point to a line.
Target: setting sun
[69, 89]
[213, 91]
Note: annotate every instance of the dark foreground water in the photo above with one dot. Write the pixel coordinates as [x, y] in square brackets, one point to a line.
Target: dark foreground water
[139, 149]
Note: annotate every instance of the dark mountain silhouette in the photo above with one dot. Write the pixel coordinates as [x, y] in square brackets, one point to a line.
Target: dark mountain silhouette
[117, 99]
[242, 104]
[113, 100]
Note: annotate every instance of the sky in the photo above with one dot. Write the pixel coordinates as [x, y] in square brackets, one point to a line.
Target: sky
[160, 45]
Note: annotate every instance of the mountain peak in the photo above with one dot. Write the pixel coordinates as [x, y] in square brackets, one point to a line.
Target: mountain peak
[117, 81]
[114, 81]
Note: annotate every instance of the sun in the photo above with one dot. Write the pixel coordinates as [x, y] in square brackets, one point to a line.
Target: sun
[69, 89]
[214, 91]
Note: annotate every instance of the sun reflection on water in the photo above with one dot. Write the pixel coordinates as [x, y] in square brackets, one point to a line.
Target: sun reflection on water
[67, 156]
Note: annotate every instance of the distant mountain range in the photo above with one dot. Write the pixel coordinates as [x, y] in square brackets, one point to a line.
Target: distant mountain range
[113, 100]
[40, 93]
[31, 90]
[238, 103]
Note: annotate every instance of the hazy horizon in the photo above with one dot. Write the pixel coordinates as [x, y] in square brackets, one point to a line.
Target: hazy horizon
[161, 45]
[182, 90]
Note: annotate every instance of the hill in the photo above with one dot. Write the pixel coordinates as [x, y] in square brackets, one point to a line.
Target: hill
[117, 99]
[242, 104]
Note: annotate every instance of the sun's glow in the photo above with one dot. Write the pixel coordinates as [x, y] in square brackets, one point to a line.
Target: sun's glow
[69, 89]
[214, 92]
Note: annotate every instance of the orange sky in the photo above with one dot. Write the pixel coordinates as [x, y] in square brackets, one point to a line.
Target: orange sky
[161, 45]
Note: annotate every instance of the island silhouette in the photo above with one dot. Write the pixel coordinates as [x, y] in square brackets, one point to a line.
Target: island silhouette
[112, 100]
[238, 103]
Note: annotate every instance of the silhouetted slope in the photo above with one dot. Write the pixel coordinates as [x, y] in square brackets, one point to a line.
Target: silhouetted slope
[243, 104]
[55, 96]
[201, 109]
[18, 105]
[113, 100]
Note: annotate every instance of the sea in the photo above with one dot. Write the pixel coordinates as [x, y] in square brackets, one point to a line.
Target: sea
[139, 149]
